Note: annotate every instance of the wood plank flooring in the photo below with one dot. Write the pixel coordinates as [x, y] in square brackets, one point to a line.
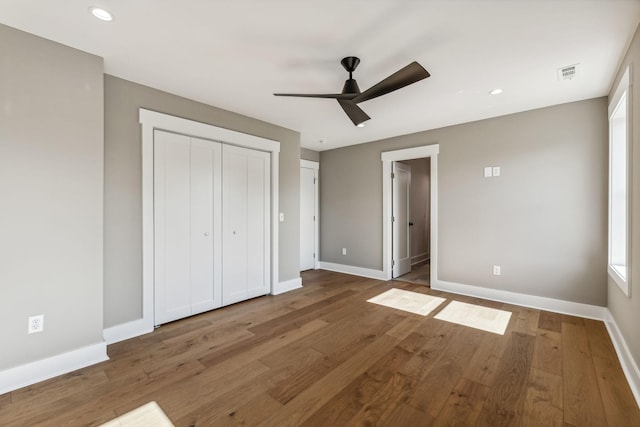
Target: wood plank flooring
[323, 356]
[419, 274]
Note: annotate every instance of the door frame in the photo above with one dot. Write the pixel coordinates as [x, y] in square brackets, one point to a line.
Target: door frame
[388, 157]
[309, 164]
[152, 120]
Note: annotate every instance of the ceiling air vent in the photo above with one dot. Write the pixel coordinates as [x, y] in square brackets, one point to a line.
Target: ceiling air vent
[568, 72]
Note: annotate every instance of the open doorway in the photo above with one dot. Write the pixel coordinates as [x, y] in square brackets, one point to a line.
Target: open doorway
[411, 221]
[429, 154]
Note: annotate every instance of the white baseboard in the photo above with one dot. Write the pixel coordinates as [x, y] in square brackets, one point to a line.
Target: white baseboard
[356, 271]
[419, 258]
[629, 366]
[287, 285]
[40, 370]
[127, 330]
[541, 303]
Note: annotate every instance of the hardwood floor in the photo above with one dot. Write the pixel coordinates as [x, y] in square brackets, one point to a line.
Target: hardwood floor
[323, 356]
[419, 274]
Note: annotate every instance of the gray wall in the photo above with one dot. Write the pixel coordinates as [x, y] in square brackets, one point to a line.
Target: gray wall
[543, 220]
[51, 156]
[351, 206]
[625, 310]
[419, 205]
[307, 154]
[123, 192]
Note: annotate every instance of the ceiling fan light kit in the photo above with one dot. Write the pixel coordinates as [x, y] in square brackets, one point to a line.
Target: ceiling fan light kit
[351, 95]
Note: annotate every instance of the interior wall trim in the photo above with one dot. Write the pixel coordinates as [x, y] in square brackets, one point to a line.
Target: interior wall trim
[125, 331]
[44, 369]
[356, 271]
[629, 365]
[287, 285]
[541, 303]
[388, 157]
[419, 258]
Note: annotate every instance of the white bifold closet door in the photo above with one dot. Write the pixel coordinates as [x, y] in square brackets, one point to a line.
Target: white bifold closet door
[188, 225]
[246, 218]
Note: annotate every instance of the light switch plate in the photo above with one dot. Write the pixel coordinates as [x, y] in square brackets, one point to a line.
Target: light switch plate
[496, 171]
[488, 172]
[281, 216]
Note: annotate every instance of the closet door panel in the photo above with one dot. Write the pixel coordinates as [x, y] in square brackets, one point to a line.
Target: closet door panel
[205, 181]
[212, 225]
[172, 226]
[258, 230]
[234, 224]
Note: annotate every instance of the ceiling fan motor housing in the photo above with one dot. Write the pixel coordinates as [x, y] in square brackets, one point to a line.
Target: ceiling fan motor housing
[351, 86]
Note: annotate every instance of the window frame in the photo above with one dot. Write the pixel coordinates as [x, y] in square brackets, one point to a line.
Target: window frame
[622, 92]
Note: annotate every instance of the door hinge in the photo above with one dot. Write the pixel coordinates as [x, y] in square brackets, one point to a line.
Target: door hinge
[315, 180]
[314, 217]
[314, 255]
[393, 219]
[393, 175]
[393, 263]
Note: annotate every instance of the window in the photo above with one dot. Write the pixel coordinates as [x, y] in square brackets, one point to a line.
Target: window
[619, 133]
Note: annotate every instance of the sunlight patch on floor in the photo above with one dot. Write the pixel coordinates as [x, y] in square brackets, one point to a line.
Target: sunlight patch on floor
[475, 316]
[149, 415]
[412, 302]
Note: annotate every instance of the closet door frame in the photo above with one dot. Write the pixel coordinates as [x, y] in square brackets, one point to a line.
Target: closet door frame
[151, 121]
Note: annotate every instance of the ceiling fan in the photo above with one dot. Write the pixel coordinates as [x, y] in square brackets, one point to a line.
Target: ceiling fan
[351, 95]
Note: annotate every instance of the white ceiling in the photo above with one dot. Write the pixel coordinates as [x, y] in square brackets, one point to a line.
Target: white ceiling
[234, 54]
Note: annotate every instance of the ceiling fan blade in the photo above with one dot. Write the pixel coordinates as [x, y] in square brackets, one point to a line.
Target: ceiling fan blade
[354, 112]
[319, 95]
[412, 73]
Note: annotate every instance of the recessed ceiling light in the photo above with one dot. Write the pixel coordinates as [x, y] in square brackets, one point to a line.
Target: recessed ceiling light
[360, 125]
[101, 13]
[496, 91]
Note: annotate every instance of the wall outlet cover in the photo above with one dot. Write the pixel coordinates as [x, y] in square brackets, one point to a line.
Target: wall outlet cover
[35, 324]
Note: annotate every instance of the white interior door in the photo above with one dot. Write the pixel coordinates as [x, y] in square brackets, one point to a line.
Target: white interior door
[308, 213]
[246, 216]
[400, 217]
[187, 226]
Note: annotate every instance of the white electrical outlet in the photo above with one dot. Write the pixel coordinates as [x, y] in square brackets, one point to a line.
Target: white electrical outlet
[344, 251]
[35, 324]
[496, 270]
